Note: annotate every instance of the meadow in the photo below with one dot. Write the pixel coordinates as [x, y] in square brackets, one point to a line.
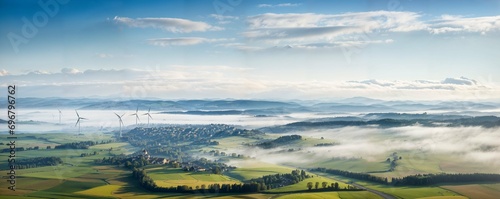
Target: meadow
[302, 185]
[400, 191]
[479, 191]
[170, 177]
[250, 169]
[332, 195]
[78, 177]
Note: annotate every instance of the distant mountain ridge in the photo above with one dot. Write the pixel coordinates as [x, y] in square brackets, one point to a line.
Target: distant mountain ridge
[260, 107]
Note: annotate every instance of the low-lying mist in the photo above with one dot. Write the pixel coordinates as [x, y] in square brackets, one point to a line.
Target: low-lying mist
[476, 145]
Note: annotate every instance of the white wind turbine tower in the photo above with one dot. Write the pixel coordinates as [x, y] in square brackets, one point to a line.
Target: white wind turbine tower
[149, 115]
[60, 113]
[136, 115]
[121, 122]
[78, 121]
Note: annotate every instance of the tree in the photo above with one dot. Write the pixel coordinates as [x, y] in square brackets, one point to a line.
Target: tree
[302, 174]
[216, 170]
[309, 185]
[324, 184]
[336, 185]
[316, 185]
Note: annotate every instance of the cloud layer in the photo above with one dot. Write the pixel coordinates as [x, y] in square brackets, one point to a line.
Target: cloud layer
[182, 41]
[232, 82]
[175, 25]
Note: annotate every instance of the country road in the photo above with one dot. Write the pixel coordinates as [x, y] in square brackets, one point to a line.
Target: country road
[382, 194]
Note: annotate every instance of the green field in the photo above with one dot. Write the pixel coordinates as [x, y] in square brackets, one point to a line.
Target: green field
[174, 177]
[473, 191]
[250, 169]
[78, 177]
[321, 195]
[105, 190]
[358, 195]
[400, 192]
[332, 195]
[354, 165]
[303, 184]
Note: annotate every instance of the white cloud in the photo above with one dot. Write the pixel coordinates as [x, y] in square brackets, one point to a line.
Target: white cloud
[232, 82]
[460, 81]
[104, 55]
[175, 25]
[306, 30]
[278, 5]
[183, 41]
[450, 24]
[70, 71]
[223, 19]
[3, 72]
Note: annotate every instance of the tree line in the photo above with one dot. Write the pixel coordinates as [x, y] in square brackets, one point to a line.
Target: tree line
[280, 180]
[279, 141]
[419, 179]
[37, 162]
[359, 176]
[80, 145]
[430, 179]
[252, 186]
[149, 184]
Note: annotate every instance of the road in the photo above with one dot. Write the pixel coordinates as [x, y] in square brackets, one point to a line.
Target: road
[381, 194]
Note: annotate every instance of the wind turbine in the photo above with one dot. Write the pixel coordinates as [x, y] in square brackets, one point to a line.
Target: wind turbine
[78, 121]
[149, 115]
[60, 113]
[136, 115]
[121, 122]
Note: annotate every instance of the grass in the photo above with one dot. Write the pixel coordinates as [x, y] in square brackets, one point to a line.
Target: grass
[358, 195]
[320, 195]
[400, 192]
[354, 165]
[74, 186]
[175, 177]
[249, 169]
[473, 191]
[105, 190]
[303, 184]
[223, 196]
[229, 143]
[445, 197]
[56, 172]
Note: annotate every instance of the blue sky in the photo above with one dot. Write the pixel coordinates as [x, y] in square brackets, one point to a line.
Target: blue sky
[252, 49]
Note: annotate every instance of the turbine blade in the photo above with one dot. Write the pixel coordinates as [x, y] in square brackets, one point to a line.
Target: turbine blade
[77, 113]
[117, 115]
[149, 109]
[77, 121]
[122, 115]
